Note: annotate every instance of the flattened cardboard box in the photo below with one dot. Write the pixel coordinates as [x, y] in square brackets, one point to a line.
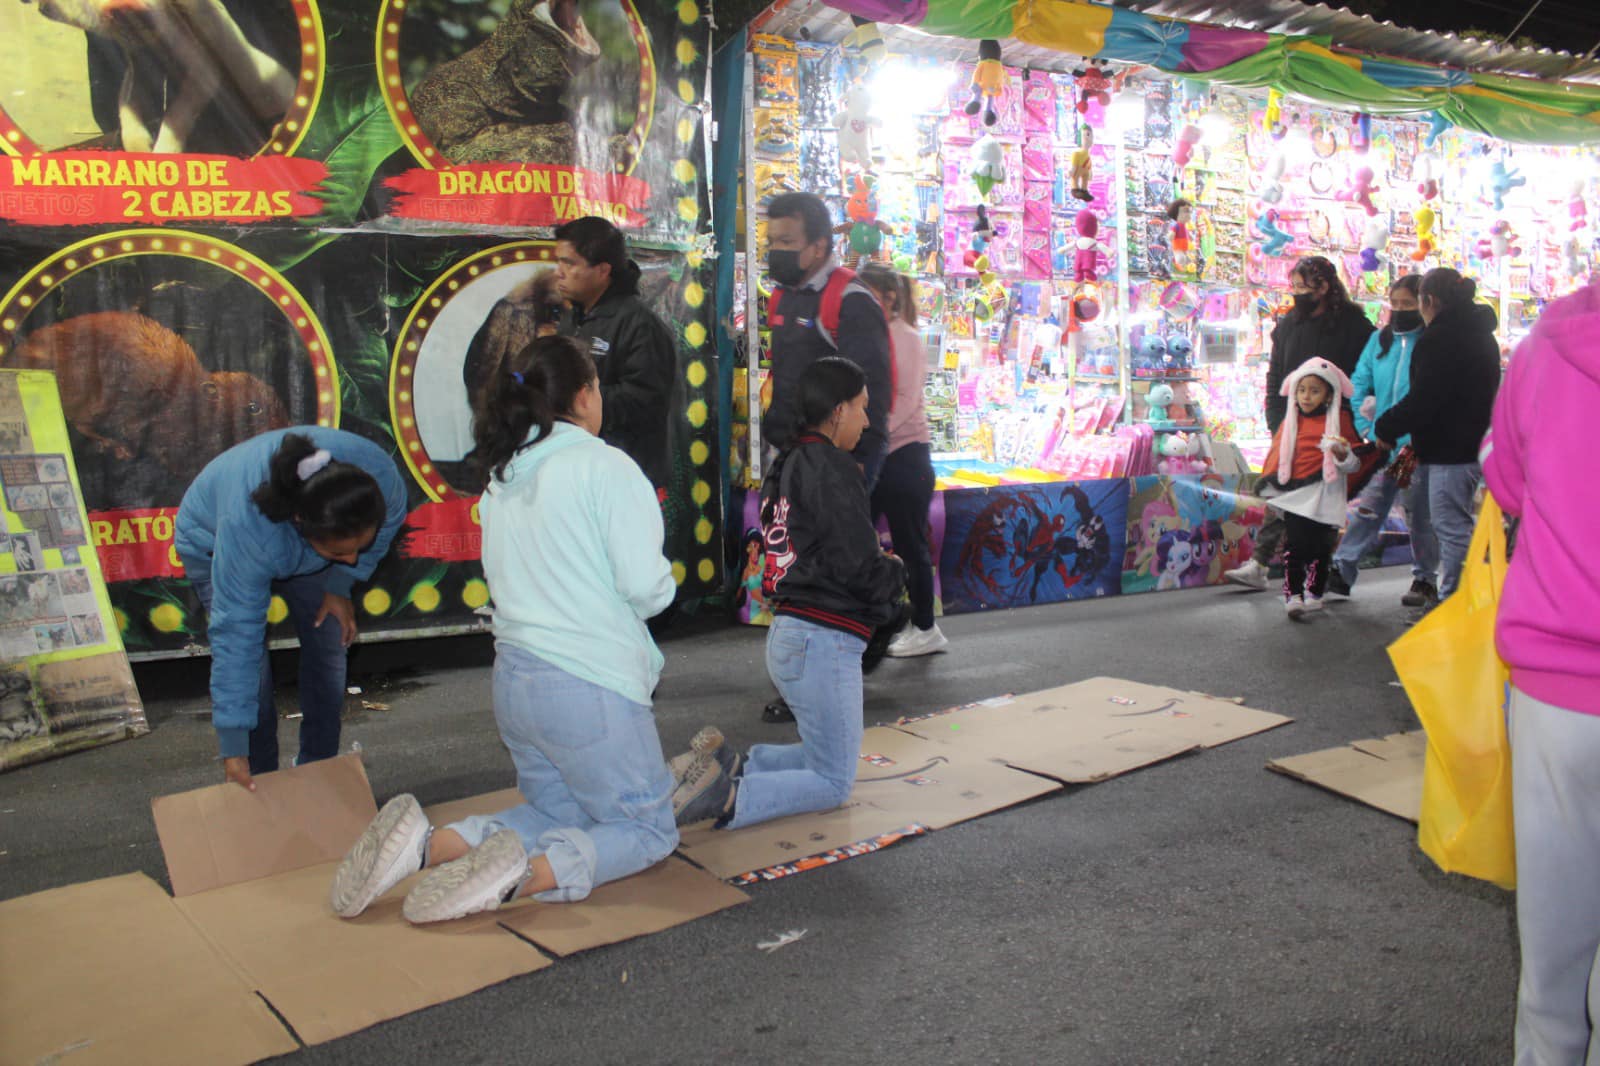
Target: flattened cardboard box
[1093, 730]
[1385, 773]
[326, 976]
[670, 893]
[902, 780]
[109, 972]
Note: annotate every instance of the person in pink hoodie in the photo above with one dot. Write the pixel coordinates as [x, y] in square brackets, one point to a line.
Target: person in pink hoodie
[1548, 632]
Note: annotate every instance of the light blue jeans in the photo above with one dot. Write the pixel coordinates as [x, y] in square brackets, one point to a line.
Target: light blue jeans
[1555, 793]
[1372, 510]
[589, 763]
[818, 672]
[1450, 488]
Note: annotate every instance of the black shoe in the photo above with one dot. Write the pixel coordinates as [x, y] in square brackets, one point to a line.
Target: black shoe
[1337, 585]
[777, 712]
[1421, 594]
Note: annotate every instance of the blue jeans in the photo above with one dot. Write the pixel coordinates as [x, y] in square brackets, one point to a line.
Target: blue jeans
[818, 672]
[1451, 488]
[589, 764]
[1372, 510]
[323, 662]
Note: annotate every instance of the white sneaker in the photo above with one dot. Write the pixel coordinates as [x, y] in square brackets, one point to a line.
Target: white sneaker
[388, 851]
[480, 880]
[912, 642]
[1252, 575]
[1313, 604]
[1295, 606]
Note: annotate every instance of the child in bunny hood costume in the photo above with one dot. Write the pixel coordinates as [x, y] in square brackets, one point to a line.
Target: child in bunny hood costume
[1305, 477]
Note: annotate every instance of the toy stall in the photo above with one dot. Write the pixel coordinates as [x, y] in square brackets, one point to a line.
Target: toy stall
[1101, 210]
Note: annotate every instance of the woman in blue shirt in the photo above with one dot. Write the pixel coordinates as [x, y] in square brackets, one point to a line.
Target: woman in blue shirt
[304, 512]
[572, 538]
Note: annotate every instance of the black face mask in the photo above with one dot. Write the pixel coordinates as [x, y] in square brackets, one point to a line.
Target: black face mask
[784, 266]
[1305, 302]
[1405, 321]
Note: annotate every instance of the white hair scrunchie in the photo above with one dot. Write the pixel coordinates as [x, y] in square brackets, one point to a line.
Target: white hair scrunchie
[312, 463]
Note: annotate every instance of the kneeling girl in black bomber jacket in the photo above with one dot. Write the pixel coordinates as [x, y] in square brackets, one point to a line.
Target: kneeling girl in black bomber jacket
[831, 585]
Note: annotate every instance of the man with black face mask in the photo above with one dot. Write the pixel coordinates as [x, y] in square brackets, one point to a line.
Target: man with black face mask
[1325, 324]
[814, 313]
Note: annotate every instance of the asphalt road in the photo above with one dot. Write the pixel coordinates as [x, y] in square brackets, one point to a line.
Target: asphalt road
[1204, 910]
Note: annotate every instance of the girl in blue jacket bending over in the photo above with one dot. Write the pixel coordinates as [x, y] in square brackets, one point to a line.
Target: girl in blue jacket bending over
[304, 512]
[1381, 380]
[572, 538]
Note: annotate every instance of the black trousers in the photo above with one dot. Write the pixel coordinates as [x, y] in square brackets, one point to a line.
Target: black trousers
[1307, 555]
[903, 495]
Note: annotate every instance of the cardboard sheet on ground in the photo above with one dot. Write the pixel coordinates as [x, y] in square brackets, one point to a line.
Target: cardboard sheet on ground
[297, 817]
[668, 894]
[110, 972]
[903, 780]
[1092, 730]
[1385, 773]
[330, 977]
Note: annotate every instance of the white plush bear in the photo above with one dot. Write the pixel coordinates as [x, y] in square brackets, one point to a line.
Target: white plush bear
[855, 124]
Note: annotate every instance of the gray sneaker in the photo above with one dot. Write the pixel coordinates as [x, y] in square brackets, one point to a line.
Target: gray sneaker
[708, 794]
[481, 880]
[392, 848]
[707, 744]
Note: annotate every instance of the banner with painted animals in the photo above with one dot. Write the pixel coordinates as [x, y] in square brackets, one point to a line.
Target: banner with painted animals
[480, 113]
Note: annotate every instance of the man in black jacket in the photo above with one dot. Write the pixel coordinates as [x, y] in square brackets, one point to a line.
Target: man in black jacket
[800, 260]
[1455, 375]
[634, 351]
[1325, 324]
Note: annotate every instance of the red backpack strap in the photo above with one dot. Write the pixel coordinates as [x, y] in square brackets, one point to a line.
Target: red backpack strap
[774, 298]
[832, 297]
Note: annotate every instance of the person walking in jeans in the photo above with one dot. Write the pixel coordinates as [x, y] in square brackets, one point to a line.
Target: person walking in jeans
[830, 585]
[1381, 380]
[904, 492]
[1455, 372]
[572, 549]
[1548, 631]
[303, 513]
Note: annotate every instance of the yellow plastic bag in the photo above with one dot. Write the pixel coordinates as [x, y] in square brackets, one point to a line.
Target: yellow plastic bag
[1458, 685]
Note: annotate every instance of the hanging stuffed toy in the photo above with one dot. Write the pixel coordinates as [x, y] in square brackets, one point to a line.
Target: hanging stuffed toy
[1373, 244]
[1274, 240]
[982, 234]
[1427, 182]
[988, 166]
[1425, 218]
[988, 82]
[1361, 133]
[1272, 118]
[1500, 243]
[1437, 124]
[1572, 254]
[1083, 165]
[1183, 148]
[1359, 191]
[989, 298]
[1085, 261]
[855, 124]
[1179, 213]
[866, 40]
[1577, 206]
[1502, 179]
[1272, 188]
[1094, 84]
[865, 230]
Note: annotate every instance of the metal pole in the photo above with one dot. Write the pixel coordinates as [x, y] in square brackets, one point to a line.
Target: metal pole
[752, 273]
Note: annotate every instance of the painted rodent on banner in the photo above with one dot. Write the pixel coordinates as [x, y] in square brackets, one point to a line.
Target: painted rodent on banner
[197, 75]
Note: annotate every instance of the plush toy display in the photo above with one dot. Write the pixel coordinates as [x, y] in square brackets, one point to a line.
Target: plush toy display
[988, 82]
[1159, 399]
[1179, 212]
[1500, 243]
[1502, 179]
[1183, 148]
[1359, 191]
[1180, 353]
[1361, 133]
[1274, 240]
[1272, 117]
[1094, 84]
[1272, 188]
[1085, 262]
[1373, 244]
[1577, 206]
[988, 166]
[1572, 254]
[1083, 165]
[855, 124]
[1425, 218]
[1151, 356]
[1427, 167]
[865, 230]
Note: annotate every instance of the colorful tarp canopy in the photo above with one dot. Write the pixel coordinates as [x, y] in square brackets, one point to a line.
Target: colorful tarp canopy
[1511, 109]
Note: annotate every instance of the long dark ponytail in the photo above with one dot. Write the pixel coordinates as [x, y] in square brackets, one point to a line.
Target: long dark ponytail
[531, 390]
[325, 498]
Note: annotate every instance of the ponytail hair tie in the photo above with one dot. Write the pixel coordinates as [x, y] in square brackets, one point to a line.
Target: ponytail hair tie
[516, 375]
[312, 463]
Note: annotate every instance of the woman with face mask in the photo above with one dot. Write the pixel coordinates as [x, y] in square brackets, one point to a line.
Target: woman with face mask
[1381, 380]
[1325, 324]
[1455, 373]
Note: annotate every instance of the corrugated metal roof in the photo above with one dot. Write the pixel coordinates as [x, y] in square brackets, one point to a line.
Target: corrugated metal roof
[1359, 33]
